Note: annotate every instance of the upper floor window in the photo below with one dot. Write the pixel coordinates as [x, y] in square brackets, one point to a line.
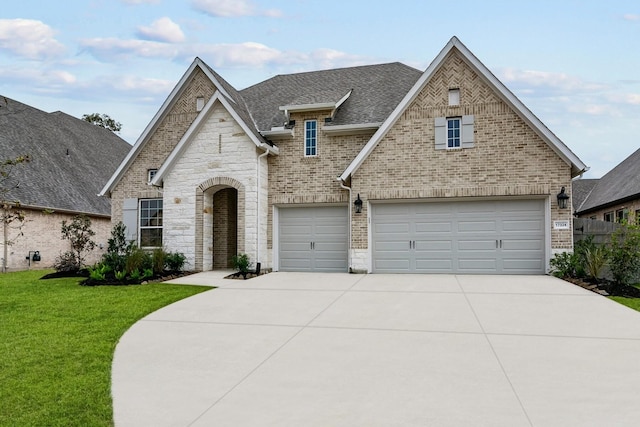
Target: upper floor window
[453, 132]
[151, 173]
[608, 216]
[622, 215]
[637, 216]
[310, 138]
[199, 103]
[150, 216]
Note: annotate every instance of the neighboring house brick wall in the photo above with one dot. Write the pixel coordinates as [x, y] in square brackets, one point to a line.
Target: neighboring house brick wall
[42, 232]
[169, 132]
[220, 155]
[632, 206]
[508, 158]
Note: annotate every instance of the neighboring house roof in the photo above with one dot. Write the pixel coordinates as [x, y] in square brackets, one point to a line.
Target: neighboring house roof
[71, 159]
[620, 184]
[580, 190]
[577, 167]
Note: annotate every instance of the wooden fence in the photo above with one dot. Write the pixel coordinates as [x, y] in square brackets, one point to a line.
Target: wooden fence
[600, 230]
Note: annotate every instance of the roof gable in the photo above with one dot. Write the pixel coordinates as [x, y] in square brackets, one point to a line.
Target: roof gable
[225, 90]
[577, 167]
[186, 139]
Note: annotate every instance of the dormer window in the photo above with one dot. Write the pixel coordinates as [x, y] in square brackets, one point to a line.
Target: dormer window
[310, 138]
[151, 173]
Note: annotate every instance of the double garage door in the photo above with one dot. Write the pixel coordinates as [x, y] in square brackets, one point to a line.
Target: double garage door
[313, 239]
[479, 237]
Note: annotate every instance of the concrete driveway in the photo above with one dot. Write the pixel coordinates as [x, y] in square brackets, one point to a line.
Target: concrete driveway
[296, 349]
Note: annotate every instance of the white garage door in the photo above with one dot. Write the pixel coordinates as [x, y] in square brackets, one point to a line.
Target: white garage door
[480, 237]
[313, 238]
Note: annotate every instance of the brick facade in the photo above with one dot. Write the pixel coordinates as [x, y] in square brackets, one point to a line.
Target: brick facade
[41, 232]
[632, 207]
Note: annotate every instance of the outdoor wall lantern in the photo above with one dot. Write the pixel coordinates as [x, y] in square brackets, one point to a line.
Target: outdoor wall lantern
[562, 199]
[34, 257]
[357, 204]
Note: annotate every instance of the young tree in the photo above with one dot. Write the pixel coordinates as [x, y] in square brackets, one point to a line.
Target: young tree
[11, 215]
[79, 233]
[103, 120]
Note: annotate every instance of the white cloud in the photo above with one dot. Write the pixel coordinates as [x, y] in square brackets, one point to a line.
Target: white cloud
[33, 77]
[29, 38]
[163, 30]
[232, 8]
[543, 82]
[631, 17]
[112, 48]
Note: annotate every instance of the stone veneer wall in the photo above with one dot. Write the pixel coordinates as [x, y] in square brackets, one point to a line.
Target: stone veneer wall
[219, 155]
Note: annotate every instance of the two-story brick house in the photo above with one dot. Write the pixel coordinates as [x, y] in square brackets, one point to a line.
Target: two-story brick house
[377, 168]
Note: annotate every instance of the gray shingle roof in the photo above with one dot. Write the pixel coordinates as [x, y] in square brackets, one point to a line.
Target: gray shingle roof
[619, 184]
[580, 190]
[377, 90]
[70, 159]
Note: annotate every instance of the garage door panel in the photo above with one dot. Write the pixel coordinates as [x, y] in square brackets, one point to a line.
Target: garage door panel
[433, 227]
[313, 238]
[469, 237]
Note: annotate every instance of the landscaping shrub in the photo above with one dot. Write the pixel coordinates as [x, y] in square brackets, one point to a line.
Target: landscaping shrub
[564, 264]
[625, 254]
[79, 234]
[66, 262]
[117, 248]
[241, 263]
[159, 258]
[175, 261]
[137, 259]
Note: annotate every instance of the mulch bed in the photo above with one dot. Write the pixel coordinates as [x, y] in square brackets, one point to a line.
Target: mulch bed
[606, 287]
[112, 281]
[240, 276]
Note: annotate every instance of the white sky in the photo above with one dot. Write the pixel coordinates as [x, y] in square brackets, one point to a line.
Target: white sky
[575, 64]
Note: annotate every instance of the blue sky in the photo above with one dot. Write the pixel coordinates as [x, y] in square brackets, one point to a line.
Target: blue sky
[575, 64]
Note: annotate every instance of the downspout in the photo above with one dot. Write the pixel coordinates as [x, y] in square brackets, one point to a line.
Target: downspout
[341, 182]
[267, 151]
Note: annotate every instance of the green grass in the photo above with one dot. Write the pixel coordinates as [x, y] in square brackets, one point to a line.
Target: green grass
[57, 341]
[629, 302]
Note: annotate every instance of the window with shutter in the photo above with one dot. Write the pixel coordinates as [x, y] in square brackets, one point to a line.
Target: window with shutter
[454, 132]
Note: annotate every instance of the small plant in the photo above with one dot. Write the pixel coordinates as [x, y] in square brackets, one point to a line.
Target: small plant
[564, 265]
[79, 234]
[159, 258]
[121, 275]
[241, 263]
[175, 261]
[135, 275]
[118, 248]
[595, 259]
[66, 262]
[138, 259]
[98, 272]
[147, 273]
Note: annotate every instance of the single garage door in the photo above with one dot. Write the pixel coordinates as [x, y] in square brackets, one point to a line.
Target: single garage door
[479, 237]
[313, 238]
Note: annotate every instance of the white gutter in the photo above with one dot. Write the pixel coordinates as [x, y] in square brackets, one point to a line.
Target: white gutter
[258, 192]
[341, 182]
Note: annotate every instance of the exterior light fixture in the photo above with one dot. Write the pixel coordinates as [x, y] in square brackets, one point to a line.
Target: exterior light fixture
[34, 257]
[562, 199]
[357, 204]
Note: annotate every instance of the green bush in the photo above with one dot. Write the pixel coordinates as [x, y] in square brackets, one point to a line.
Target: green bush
[137, 259]
[67, 262]
[564, 264]
[241, 263]
[624, 260]
[175, 261]
[595, 259]
[118, 248]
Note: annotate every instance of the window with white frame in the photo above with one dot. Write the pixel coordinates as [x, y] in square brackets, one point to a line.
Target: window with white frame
[608, 216]
[310, 138]
[151, 173]
[622, 215]
[150, 214]
[453, 132]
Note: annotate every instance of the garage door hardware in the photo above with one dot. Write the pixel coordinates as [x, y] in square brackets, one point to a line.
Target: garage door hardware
[312, 245]
[498, 244]
[412, 244]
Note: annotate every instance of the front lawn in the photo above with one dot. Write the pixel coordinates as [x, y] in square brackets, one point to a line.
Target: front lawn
[57, 341]
[629, 302]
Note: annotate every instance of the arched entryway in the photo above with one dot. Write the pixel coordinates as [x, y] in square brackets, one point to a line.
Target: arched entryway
[220, 222]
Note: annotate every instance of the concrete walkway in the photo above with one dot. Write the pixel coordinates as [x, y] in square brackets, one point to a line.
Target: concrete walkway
[295, 349]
